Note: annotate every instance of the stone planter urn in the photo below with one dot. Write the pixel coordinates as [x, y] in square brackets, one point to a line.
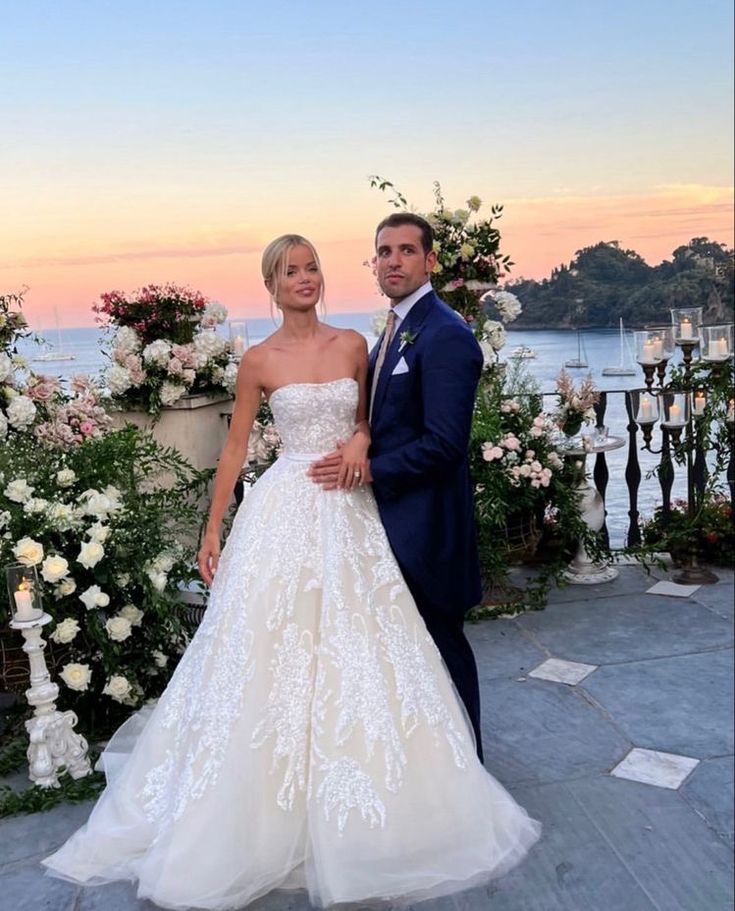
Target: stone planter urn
[196, 425]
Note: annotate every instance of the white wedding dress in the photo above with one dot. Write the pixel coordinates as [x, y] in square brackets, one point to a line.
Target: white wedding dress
[310, 736]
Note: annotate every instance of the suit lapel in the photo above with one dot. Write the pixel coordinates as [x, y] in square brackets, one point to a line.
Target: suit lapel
[417, 315]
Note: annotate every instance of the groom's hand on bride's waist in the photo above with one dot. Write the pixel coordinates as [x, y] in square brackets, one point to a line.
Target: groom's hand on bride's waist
[326, 472]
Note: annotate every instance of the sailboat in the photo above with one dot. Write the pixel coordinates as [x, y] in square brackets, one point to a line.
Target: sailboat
[57, 353]
[577, 361]
[623, 369]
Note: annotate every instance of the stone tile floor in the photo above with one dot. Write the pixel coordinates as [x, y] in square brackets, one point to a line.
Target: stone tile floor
[605, 686]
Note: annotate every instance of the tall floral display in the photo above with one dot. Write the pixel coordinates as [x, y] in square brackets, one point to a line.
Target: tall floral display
[104, 517]
[164, 345]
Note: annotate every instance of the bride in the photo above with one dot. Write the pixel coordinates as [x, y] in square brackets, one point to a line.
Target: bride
[310, 737]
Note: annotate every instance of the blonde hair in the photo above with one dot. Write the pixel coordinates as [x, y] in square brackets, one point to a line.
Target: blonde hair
[274, 262]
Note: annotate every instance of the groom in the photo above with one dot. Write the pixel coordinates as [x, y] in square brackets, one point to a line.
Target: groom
[422, 380]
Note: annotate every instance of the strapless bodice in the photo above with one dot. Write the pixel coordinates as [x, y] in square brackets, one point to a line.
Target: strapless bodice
[311, 417]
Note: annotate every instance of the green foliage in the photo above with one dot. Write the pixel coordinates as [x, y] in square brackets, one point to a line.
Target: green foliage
[136, 498]
[35, 799]
[711, 531]
[605, 282]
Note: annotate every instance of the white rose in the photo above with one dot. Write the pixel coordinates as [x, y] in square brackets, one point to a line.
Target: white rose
[96, 503]
[118, 687]
[65, 631]
[157, 352]
[213, 314]
[54, 568]
[3, 426]
[66, 587]
[90, 554]
[122, 579]
[114, 496]
[118, 379]
[163, 563]
[6, 368]
[94, 597]
[28, 551]
[171, 392]
[18, 491]
[5, 518]
[118, 628]
[158, 579]
[132, 613]
[21, 412]
[76, 676]
[160, 659]
[66, 477]
[99, 532]
[60, 515]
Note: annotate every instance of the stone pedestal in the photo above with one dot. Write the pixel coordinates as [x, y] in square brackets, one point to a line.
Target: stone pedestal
[196, 425]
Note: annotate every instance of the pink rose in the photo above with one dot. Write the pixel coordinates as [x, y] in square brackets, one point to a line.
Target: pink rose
[86, 427]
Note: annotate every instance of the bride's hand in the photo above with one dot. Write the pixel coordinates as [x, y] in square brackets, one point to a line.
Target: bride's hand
[353, 469]
[208, 556]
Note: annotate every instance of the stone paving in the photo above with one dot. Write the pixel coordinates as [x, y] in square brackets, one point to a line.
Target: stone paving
[622, 745]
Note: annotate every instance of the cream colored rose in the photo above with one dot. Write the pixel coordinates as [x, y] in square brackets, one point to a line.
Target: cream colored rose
[99, 532]
[66, 587]
[65, 631]
[122, 579]
[76, 676]
[66, 477]
[54, 568]
[118, 687]
[132, 613]
[118, 628]
[160, 659]
[28, 552]
[90, 554]
[94, 597]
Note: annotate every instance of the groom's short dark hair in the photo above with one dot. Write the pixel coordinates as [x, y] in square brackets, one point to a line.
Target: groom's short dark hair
[398, 219]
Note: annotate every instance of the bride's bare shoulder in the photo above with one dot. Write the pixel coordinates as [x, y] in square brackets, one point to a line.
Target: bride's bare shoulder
[349, 338]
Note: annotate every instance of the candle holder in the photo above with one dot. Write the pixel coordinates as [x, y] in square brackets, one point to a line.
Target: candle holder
[645, 408]
[239, 338]
[717, 343]
[675, 410]
[665, 336]
[24, 592]
[54, 744]
[686, 323]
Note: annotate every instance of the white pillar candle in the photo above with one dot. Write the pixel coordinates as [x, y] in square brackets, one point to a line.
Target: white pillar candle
[24, 605]
[685, 330]
[238, 346]
[658, 347]
[647, 354]
[675, 418]
[645, 411]
[699, 403]
[718, 349]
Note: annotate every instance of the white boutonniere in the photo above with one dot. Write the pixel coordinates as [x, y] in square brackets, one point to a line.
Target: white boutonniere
[407, 338]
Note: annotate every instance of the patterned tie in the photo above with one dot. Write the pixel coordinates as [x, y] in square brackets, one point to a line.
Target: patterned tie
[390, 325]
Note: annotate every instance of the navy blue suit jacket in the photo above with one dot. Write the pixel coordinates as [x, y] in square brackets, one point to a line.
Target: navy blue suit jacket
[418, 456]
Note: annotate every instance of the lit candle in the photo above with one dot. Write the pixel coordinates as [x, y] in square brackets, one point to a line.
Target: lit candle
[645, 412]
[658, 347]
[647, 354]
[685, 329]
[675, 419]
[699, 402]
[718, 349]
[238, 346]
[24, 603]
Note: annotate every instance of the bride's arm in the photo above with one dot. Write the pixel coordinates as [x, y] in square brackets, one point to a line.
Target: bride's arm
[353, 466]
[248, 394]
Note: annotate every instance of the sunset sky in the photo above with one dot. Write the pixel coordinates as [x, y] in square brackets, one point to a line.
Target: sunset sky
[170, 141]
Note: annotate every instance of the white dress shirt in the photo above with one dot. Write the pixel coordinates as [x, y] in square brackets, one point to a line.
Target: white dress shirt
[402, 308]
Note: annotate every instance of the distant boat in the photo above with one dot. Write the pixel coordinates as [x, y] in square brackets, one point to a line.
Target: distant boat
[523, 352]
[624, 369]
[577, 361]
[57, 353]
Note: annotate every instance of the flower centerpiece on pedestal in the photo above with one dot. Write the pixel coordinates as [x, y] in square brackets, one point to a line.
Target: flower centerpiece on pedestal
[576, 406]
[165, 346]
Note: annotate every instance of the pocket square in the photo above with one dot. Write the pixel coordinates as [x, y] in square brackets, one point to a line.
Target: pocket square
[401, 367]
